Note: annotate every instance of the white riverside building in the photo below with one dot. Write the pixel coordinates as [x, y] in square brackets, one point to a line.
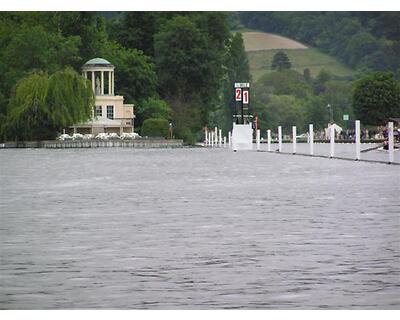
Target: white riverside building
[110, 114]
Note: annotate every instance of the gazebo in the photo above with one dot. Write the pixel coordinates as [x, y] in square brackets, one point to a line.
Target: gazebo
[110, 114]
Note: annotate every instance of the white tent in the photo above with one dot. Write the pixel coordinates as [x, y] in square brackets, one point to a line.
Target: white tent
[337, 129]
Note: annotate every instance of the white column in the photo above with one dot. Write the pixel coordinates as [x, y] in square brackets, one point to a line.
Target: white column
[390, 138]
[112, 83]
[280, 139]
[332, 134]
[212, 139]
[93, 83]
[220, 138]
[230, 139]
[258, 139]
[294, 139]
[224, 141]
[358, 142]
[311, 137]
[102, 82]
[269, 139]
[215, 135]
[109, 82]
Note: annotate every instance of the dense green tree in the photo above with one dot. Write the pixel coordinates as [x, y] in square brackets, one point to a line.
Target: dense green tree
[190, 68]
[155, 127]
[281, 110]
[137, 29]
[287, 82]
[237, 70]
[280, 61]
[152, 108]
[136, 78]
[376, 97]
[28, 48]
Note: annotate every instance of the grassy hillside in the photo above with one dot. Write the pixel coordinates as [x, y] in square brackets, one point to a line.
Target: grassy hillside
[311, 58]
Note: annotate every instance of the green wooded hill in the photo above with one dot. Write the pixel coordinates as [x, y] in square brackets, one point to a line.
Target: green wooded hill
[261, 47]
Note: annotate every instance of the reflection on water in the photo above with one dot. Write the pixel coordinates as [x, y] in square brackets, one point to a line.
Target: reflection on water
[196, 229]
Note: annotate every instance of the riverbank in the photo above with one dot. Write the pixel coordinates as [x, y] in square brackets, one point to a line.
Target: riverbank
[66, 144]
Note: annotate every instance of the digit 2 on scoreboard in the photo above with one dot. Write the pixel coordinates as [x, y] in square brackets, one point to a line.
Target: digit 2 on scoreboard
[238, 94]
[245, 97]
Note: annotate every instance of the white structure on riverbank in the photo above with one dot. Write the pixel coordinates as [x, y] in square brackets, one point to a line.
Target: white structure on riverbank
[110, 114]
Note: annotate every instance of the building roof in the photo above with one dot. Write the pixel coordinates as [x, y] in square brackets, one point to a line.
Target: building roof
[98, 62]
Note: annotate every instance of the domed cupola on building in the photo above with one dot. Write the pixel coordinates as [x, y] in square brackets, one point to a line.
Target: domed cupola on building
[110, 114]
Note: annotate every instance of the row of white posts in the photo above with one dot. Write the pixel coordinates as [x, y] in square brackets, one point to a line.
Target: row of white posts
[332, 140]
[214, 138]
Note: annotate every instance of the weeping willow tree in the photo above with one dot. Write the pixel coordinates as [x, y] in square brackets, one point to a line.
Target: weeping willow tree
[26, 112]
[69, 98]
[41, 106]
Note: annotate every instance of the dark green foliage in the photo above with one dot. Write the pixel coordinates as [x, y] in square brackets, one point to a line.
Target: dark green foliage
[154, 127]
[376, 97]
[280, 61]
[238, 70]
[286, 98]
[287, 82]
[153, 108]
[135, 77]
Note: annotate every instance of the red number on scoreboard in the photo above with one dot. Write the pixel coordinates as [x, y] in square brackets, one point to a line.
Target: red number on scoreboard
[238, 94]
[245, 97]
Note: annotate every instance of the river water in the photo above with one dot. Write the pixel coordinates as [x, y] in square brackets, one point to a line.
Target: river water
[196, 229]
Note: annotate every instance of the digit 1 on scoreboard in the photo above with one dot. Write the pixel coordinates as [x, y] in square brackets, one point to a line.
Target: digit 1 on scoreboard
[238, 94]
[246, 97]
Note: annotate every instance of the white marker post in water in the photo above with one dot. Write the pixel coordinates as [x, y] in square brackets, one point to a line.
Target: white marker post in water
[212, 139]
[269, 139]
[220, 138]
[294, 139]
[358, 140]
[206, 137]
[258, 139]
[311, 138]
[230, 139]
[390, 140]
[332, 133]
[224, 141]
[280, 139]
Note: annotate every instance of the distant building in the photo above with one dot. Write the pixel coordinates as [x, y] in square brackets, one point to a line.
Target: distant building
[110, 114]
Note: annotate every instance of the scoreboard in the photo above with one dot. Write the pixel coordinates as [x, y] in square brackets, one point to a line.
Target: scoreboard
[242, 100]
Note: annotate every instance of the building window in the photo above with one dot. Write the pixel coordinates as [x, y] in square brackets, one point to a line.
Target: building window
[110, 112]
[98, 111]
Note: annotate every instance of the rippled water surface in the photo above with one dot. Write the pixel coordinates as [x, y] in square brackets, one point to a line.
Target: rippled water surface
[196, 229]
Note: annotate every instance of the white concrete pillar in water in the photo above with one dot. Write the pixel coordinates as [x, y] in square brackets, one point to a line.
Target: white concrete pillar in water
[220, 138]
[215, 135]
[206, 137]
[358, 142]
[230, 139]
[390, 140]
[294, 139]
[225, 142]
[258, 139]
[209, 139]
[212, 139]
[332, 133]
[280, 139]
[311, 136]
[269, 139]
